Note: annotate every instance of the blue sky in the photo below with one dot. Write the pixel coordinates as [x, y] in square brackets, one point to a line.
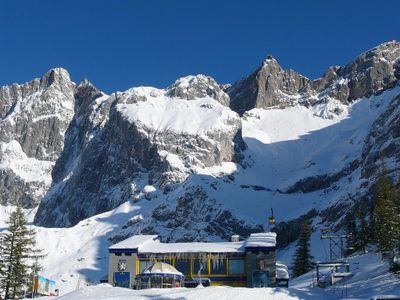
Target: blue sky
[119, 44]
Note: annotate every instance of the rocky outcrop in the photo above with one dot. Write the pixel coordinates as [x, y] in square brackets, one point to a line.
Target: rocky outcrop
[320, 182]
[34, 118]
[38, 113]
[383, 143]
[373, 71]
[199, 86]
[268, 86]
[197, 217]
[100, 174]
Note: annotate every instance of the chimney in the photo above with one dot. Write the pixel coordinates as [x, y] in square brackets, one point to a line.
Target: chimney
[234, 238]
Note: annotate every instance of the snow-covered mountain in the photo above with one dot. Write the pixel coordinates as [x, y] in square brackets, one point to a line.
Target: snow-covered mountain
[199, 160]
[33, 120]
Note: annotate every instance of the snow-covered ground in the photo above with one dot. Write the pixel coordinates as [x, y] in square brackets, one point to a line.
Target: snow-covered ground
[105, 291]
[77, 256]
[371, 277]
[291, 144]
[162, 113]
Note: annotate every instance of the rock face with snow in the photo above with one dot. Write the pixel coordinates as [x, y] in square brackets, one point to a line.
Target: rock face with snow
[119, 144]
[383, 141]
[270, 85]
[198, 160]
[200, 86]
[371, 72]
[34, 118]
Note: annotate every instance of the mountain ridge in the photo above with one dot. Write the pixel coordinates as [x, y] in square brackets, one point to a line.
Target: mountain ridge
[182, 152]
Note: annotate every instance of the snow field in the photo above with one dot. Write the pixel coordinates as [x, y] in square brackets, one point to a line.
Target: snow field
[105, 291]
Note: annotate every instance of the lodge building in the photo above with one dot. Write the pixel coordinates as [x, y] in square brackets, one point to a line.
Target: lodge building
[248, 263]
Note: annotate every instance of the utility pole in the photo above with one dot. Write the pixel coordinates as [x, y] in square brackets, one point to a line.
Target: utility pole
[336, 243]
[33, 286]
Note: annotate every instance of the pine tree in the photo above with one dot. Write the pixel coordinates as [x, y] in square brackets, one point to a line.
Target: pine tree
[363, 232]
[2, 274]
[352, 233]
[397, 206]
[386, 227]
[18, 252]
[395, 263]
[302, 259]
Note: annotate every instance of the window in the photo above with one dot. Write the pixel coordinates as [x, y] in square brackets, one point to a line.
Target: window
[182, 266]
[218, 266]
[200, 266]
[128, 254]
[236, 266]
[143, 264]
[118, 254]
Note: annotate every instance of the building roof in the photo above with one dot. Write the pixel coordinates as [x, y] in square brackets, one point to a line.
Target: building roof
[150, 244]
[223, 247]
[261, 240]
[134, 242]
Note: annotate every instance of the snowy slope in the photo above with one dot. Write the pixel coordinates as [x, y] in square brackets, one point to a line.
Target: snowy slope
[285, 146]
[162, 113]
[298, 142]
[77, 255]
[105, 291]
[371, 277]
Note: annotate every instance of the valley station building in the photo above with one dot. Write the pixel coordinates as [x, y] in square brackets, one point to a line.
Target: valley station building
[248, 263]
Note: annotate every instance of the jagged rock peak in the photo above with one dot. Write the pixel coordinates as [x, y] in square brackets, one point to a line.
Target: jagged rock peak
[386, 53]
[85, 86]
[371, 72]
[198, 86]
[55, 75]
[85, 82]
[270, 60]
[268, 86]
[387, 46]
[85, 93]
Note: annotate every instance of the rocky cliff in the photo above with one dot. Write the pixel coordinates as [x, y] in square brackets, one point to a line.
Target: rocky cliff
[34, 119]
[269, 86]
[117, 145]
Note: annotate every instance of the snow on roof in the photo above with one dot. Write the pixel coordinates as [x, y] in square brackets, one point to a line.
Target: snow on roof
[223, 247]
[263, 239]
[282, 271]
[150, 244]
[133, 242]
